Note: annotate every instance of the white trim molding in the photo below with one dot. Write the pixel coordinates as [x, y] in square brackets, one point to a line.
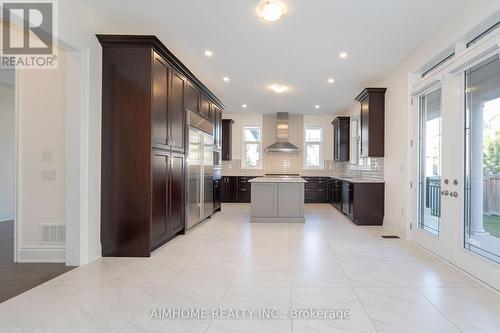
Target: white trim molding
[42, 254]
[94, 252]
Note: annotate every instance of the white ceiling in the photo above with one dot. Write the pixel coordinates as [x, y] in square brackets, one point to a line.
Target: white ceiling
[301, 50]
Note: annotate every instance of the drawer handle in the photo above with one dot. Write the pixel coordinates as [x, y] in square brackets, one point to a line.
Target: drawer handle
[243, 189]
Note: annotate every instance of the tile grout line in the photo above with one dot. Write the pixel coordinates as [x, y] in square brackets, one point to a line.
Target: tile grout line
[354, 290]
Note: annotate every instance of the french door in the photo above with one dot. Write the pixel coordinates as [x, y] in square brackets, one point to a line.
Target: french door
[456, 168]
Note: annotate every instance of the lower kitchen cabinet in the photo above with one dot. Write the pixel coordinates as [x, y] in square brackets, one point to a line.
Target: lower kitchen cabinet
[316, 190]
[236, 189]
[167, 197]
[229, 189]
[363, 203]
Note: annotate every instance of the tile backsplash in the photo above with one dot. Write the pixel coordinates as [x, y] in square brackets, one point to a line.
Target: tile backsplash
[369, 168]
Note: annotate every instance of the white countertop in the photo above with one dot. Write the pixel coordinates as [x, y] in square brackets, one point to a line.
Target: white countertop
[358, 180]
[278, 180]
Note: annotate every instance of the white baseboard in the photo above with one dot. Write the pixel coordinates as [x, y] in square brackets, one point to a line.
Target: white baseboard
[95, 252]
[7, 215]
[398, 228]
[42, 254]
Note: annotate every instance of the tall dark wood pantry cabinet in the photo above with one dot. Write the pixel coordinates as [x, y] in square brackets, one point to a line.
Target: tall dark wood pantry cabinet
[145, 93]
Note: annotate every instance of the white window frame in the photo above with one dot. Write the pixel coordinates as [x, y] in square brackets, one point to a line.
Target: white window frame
[244, 164]
[321, 144]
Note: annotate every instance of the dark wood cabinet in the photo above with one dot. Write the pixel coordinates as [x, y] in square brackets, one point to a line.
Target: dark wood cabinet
[362, 202]
[176, 193]
[161, 74]
[204, 107]
[245, 189]
[341, 139]
[347, 203]
[177, 114]
[192, 98]
[316, 190]
[217, 194]
[227, 128]
[167, 197]
[372, 103]
[229, 189]
[145, 93]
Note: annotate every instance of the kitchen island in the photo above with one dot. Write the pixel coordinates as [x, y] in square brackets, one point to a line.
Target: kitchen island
[277, 199]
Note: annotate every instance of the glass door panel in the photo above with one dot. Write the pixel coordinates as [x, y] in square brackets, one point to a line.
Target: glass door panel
[430, 139]
[482, 154]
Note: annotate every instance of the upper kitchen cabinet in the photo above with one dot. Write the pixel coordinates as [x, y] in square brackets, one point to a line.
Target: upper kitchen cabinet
[177, 116]
[341, 139]
[372, 119]
[204, 107]
[227, 129]
[192, 98]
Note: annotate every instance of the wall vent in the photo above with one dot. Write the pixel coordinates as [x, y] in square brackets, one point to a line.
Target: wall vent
[53, 233]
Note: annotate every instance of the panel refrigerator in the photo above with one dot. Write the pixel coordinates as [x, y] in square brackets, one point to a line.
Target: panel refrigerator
[200, 175]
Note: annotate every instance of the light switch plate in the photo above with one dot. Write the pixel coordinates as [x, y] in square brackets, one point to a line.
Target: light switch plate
[49, 175]
[47, 155]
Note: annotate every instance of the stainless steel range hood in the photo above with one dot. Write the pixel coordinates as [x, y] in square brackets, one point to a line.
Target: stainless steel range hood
[282, 145]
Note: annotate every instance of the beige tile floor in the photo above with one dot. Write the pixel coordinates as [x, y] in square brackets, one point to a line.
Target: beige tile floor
[327, 263]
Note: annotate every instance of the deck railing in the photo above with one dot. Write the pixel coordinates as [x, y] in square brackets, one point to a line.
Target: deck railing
[491, 190]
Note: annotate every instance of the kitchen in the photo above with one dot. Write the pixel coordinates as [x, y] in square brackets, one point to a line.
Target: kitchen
[271, 159]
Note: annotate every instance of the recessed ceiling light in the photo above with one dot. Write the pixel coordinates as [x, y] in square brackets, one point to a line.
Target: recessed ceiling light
[343, 55]
[208, 53]
[244, 106]
[225, 79]
[278, 88]
[316, 106]
[272, 10]
[331, 80]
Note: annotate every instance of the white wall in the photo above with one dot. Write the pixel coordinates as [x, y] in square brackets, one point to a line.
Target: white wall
[42, 128]
[7, 151]
[278, 163]
[397, 104]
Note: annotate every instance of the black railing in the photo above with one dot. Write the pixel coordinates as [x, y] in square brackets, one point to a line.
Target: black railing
[433, 197]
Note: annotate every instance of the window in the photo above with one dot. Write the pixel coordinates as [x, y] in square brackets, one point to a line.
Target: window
[482, 154]
[430, 141]
[313, 152]
[251, 148]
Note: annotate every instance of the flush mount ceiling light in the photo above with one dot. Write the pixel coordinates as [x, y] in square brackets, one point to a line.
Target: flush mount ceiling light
[331, 80]
[271, 10]
[278, 88]
[208, 53]
[244, 106]
[343, 55]
[225, 79]
[316, 106]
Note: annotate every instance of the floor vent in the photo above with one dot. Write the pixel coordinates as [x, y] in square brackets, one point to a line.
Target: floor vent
[53, 233]
[390, 237]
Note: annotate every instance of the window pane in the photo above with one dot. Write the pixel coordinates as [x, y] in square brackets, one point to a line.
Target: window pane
[251, 134]
[313, 154]
[430, 162]
[252, 154]
[313, 135]
[482, 186]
